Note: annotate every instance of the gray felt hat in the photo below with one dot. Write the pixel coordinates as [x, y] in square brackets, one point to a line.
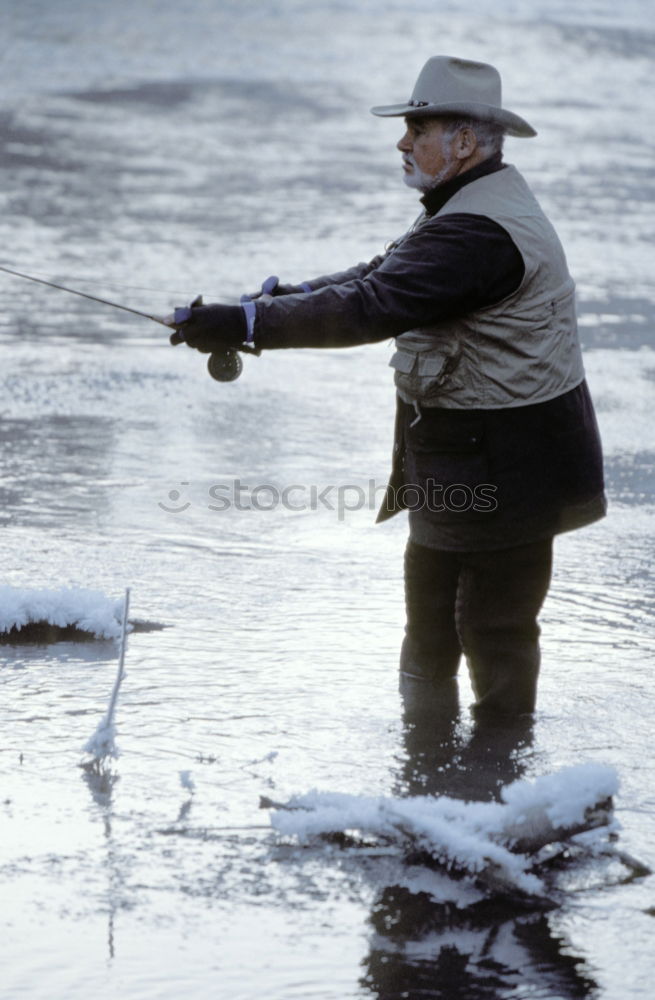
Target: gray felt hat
[450, 86]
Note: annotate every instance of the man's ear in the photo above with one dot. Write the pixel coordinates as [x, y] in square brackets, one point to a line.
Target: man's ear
[465, 143]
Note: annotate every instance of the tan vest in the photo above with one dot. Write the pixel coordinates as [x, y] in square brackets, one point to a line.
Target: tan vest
[522, 350]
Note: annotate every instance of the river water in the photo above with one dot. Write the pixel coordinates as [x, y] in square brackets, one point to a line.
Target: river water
[151, 151]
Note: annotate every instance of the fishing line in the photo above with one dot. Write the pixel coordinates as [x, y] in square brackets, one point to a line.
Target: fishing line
[103, 283]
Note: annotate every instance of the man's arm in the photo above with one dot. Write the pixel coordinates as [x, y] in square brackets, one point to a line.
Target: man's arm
[449, 266]
[445, 268]
[339, 278]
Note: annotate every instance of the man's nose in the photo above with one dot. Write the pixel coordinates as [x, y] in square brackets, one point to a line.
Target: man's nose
[404, 144]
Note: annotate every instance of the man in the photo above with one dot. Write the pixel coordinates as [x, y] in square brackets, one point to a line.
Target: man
[496, 448]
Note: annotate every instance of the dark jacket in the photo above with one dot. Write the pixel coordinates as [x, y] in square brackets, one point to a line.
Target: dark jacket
[522, 473]
[452, 265]
[492, 479]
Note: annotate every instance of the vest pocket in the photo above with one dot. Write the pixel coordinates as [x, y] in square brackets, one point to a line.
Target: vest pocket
[420, 375]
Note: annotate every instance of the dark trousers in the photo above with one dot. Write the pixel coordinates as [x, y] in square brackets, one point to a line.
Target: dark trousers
[482, 604]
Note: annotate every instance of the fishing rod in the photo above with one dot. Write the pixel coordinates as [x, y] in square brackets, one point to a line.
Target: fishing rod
[224, 366]
[83, 295]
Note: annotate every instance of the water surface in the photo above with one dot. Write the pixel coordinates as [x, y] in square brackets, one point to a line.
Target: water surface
[151, 152]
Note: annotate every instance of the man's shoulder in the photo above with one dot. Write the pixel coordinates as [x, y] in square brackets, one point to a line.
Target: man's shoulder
[502, 195]
[459, 224]
[507, 181]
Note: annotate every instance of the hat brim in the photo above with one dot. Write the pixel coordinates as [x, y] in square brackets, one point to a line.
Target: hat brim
[513, 124]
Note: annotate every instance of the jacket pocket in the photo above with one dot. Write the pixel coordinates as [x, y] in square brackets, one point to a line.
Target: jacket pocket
[446, 461]
[446, 432]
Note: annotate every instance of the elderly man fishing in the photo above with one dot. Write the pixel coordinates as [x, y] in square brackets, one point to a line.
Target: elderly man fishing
[497, 447]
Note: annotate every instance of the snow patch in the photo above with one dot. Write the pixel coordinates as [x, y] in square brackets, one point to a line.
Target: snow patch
[89, 610]
[564, 796]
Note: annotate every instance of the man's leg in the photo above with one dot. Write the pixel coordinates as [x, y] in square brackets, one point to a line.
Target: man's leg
[431, 648]
[498, 600]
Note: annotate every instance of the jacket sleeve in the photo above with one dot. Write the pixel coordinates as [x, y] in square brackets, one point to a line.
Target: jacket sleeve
[447, 267]
[340, 278]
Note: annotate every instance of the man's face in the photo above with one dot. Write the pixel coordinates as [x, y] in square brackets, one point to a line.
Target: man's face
[427, 160]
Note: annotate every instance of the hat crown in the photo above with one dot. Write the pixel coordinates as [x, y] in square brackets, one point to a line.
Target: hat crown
[448, 80]
[448, 85]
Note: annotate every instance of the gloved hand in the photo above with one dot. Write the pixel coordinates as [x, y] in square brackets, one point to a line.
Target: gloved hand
[208, 328]
[269, 287]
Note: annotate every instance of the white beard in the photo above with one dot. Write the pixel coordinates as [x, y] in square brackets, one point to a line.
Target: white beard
[422, 181]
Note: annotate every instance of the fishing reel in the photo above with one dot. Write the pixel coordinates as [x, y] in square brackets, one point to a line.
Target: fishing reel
[225, 366]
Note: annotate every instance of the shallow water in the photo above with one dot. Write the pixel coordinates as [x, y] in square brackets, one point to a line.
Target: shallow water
[149, 153]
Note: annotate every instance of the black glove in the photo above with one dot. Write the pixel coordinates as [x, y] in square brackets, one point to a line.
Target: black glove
[209, 328]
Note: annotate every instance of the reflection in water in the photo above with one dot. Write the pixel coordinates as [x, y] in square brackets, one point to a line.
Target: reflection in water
[444, 757]
[100, 781]
[462, 956]
[495, 947]
[126, 171]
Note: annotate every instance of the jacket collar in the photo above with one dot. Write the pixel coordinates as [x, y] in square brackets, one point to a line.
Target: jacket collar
[436, 198]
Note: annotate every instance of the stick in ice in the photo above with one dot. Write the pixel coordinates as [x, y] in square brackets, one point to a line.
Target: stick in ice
[102, 743]
[495, 841]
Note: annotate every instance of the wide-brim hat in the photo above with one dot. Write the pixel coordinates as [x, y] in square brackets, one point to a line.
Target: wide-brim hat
[460, 87]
